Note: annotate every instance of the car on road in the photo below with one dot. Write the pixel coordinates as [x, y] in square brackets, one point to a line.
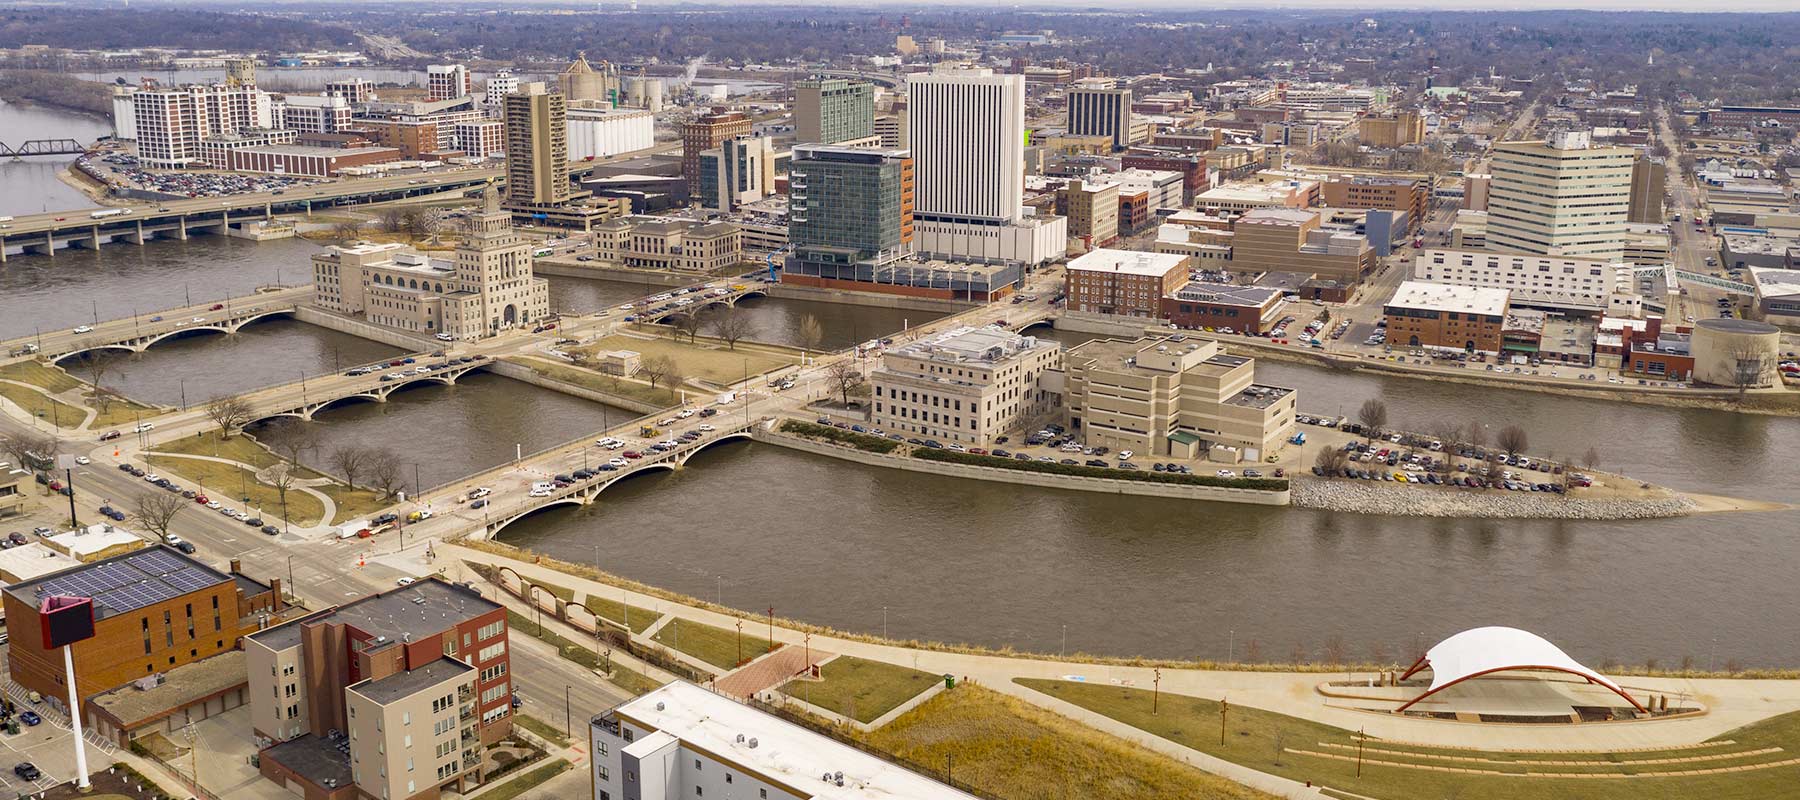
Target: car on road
[270, 530]
[26, 769]
[16, 538]
[406, 581]
[218, 306]
[143, 427]
[84, 329]
[213, 504]
[445, 337]
[83, 460]
[109, 436]
[482, 503]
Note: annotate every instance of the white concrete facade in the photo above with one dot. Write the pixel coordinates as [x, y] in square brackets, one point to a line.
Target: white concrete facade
[967, 134]
[603, 132]
[1554, 282]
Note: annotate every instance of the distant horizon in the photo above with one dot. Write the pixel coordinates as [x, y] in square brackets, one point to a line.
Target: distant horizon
[1616, 6]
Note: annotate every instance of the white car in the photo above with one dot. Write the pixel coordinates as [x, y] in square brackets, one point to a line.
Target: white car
[405, 582]
[1225, 473]
[151, 477]
[199, 319]
[83, 460]
[480, 492]
[172, 539]
[540, 493]
[84, 329]
[1124, 454]
[685, 413]
[213, 504]
[241, 515]
[423, 515]
[958, 448]
[667, 422]
[619, 463]
[144, 426]
[445, 337]
[706, 428]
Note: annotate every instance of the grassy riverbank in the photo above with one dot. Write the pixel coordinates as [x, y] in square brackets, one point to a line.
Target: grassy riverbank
[1304, 750]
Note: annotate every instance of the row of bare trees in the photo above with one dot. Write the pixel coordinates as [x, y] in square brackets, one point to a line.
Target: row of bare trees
[1511, 439]
[728, 324]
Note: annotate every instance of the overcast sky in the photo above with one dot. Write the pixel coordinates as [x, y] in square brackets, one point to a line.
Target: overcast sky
[1187, 5]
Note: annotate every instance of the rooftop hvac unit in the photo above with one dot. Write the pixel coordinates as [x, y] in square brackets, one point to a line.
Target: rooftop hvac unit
[752, 743]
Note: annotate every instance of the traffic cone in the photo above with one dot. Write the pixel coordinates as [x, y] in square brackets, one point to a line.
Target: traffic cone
[359, 559]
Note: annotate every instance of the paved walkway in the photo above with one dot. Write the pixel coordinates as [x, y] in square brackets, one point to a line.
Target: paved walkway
[262, 476]
[1734, 703]
[769, 671]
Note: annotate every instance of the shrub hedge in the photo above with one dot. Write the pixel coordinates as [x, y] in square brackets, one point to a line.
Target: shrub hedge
[860, 441]
[1084, 471]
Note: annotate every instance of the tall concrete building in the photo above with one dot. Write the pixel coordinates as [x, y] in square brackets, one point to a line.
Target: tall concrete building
[448, 81]
[967, 129]
[847, 205]
[1561, 197]
[240, 72]
[537, 147]
[833, 111]
[499, 85]
[1097, 108]
[705, 133]
[1649, 179]
[170, 122]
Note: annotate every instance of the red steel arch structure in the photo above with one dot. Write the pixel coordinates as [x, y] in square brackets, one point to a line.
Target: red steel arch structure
[1484, 651]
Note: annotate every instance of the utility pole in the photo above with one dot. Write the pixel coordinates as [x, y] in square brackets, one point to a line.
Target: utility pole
[771, 629]
[740, 641]
[1360, 738]
[1224, 707]
[1155, 691]
[568, 724]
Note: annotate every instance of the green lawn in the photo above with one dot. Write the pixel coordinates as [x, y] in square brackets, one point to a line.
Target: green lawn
[640, 618]
[228, 484]
[624, 677]
[523, 783]
[38, 373]
[861, 689]
[1010, 749]
[120, 411]
[715, 646]
[1257, 739]
[42, 405]
[710, 362]
[543, 729]
[351, 502]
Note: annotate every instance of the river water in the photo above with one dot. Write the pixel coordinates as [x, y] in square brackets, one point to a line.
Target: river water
[31, 184]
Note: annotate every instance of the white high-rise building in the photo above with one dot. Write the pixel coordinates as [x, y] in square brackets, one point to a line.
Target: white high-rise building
[316, 113]
[499, 85]
[966, 128]
[170, 122]
[1562, 197]
[448, 81]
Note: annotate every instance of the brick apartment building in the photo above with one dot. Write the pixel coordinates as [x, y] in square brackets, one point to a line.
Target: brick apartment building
[393, 696]
[1123, 282]
[1439, 316]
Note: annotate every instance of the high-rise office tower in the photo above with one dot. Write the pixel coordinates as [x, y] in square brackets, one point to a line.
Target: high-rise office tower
[1561, 197]
[833, 111]
[705, 133]
[967, 131]
[851, 200]
[448, 81]
[537, 147]
[1096, 108]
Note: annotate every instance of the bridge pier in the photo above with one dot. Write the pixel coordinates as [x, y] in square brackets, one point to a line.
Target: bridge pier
[91, 241]
[136, 236]
[48, 248]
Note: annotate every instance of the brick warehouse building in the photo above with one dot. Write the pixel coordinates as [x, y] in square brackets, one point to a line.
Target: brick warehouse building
[162, 621]
[396, 695]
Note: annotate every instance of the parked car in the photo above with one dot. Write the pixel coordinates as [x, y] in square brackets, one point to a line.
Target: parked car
[25, 769]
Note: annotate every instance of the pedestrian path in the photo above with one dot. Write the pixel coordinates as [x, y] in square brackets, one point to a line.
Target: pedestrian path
[770, 671]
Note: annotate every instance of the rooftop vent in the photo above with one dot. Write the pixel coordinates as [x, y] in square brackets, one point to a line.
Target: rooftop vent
[752, 743]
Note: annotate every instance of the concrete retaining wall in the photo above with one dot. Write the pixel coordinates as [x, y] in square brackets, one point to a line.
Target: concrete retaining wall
[594, 270]
[521, 372]
[1106, 324]
[871, 299]
[326, 319]
[1218, 494]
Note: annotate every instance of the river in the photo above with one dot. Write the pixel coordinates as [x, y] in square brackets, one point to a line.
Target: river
[1000, 565]
[31, 184]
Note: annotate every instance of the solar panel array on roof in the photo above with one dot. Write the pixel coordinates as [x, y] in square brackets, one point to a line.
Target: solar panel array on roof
[143, 578]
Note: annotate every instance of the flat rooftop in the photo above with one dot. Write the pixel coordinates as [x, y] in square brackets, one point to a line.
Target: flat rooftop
[1258, 396]
[409, 682]
[1226, 294]
[785, 753]
[421, 609]
[1129, 262]
[1771, 282]
[124, 583]
[965, 344]
[1453, 299]
[183, 686]
[317, 760]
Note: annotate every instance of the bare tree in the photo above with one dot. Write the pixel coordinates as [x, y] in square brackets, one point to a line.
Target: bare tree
[812, 333]
[731, 324]
[686, 322]
[98, 366]
[229, 413]
[346, 231]
[1751, 366]
[673, 374]
[1253, 653]
[349, 460]
[156, 510]
[1512, 439]
[282, 477]
[1476, 435]
[289, 437]
[1335, 651]
[844, 376]
[1450, 435]
[392, 219]
[27, 447]
[655, 369]
[1591, 458]
[383, 467]
[1374, 416]
[1331, 461]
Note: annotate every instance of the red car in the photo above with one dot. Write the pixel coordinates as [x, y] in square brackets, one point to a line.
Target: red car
[201, 499]
[56, 486]
[217, 306]
[633, 454]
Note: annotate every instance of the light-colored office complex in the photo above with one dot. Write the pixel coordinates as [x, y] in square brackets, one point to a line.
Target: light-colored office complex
[966, 385]
[314, 113]
[1092, 208]
[704, 133]
[740, 170]
[1096, 108]
[659, 243]
[1561, 197]
[834, 111]
[1185, 398]
[1581, 285]
[967, 135]
[448, 81]
[1293, 240]
[487, 289]
[683, 742]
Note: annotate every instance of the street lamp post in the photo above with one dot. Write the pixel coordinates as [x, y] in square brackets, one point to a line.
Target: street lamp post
[1155, 691]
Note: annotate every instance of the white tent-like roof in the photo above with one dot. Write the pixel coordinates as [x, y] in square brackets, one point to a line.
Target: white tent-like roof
[1481, 651]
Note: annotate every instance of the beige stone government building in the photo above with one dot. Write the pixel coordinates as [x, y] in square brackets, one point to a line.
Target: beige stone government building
[1184, 398]
[486, 289]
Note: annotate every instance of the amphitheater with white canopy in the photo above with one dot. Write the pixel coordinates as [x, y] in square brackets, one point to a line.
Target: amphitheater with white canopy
[1484, 651]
